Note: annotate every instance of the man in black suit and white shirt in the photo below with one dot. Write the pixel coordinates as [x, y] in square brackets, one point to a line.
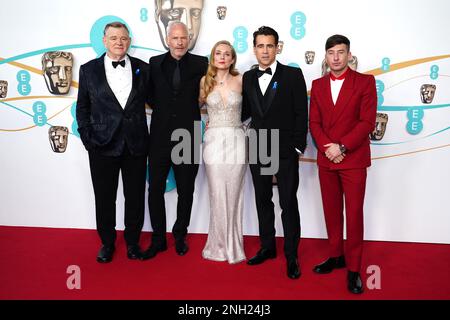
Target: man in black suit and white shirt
[275, 97]
[173, 91]
[113, 127]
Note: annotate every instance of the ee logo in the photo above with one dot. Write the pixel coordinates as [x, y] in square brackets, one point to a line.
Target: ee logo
[298, 20]
[415, 124]
[380, 89]
[39, 117]
[23, 87]
[385, 64]
[434, 72]
[144, 14]
[240, 35]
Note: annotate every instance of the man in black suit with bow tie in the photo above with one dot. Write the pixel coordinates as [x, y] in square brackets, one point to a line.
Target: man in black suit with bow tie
[174, 90]
[274, 96]
[113, 128]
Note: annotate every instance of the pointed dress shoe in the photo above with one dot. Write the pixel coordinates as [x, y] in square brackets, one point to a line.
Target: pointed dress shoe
[105, 254]
[330, 265]
[181, 247]
[354, 282]
[134, 252]
[261, 256]
[152, 251]
[293, 270]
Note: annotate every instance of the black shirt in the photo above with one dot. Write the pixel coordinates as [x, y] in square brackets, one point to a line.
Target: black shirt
[169, 64]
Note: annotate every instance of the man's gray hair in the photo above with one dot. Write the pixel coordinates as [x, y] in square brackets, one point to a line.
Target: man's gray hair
[175, 24]
[116, 24]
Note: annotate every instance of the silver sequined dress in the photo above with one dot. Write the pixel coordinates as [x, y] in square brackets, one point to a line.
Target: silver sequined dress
[224, 155]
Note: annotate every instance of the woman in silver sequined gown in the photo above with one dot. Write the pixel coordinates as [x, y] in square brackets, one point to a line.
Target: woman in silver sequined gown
[224, 155]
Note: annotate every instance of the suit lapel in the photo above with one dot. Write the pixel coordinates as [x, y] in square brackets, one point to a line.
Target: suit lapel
[328, 97]
[272, 89]
[161, 74]
[344, 95]
[256, 94]
[185, 69]
[135, 74]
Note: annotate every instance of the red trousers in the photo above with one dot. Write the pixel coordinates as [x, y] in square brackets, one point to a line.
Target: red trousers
[338, 187]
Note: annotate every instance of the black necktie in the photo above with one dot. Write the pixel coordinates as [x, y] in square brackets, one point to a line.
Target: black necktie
[261, 72]
[176, 76]
[116, 63]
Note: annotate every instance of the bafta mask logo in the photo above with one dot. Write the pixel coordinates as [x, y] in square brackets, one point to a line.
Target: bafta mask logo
[352, 64]
[380, 127]
[325, 68]
[221, 12]
[3, 88]
[280, 47]
[58, 138]
[57, 69]
[427, 92]
[309, 57]
[187, 11]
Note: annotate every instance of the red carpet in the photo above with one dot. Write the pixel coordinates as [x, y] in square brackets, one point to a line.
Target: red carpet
[33, 264]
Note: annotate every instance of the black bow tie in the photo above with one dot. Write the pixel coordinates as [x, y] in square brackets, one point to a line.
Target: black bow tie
[116, 63]
[261, 72]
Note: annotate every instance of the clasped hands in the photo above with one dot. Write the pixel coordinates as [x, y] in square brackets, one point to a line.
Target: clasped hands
[333, 152]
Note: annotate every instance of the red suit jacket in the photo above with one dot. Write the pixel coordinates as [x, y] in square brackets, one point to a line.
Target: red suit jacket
[349, 122]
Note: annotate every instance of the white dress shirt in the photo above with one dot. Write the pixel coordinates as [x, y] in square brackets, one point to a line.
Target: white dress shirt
[265, 79]
[120, 79]
[336, 86]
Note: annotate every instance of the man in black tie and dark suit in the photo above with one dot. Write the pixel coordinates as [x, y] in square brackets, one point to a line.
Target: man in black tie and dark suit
[173, 91]
[113, 127]
[274, 96]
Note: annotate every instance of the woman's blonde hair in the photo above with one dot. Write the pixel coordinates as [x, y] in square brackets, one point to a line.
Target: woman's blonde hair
[210, 81]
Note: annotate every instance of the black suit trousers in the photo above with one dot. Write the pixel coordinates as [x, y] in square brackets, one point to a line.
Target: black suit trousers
[159, 165]
[105, 178]
[288, 181]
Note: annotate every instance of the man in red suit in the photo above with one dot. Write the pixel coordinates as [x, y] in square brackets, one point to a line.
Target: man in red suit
[342, 115]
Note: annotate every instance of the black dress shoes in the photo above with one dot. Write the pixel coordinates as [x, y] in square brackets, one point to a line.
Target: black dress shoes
[134, 252]
[354, 282]
[293, 270]
[152, 251]
[261, 256]
[105, 254]
[330, 265]
[181, 247]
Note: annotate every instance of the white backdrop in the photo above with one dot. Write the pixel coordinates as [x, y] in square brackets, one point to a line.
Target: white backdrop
[408, 184]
